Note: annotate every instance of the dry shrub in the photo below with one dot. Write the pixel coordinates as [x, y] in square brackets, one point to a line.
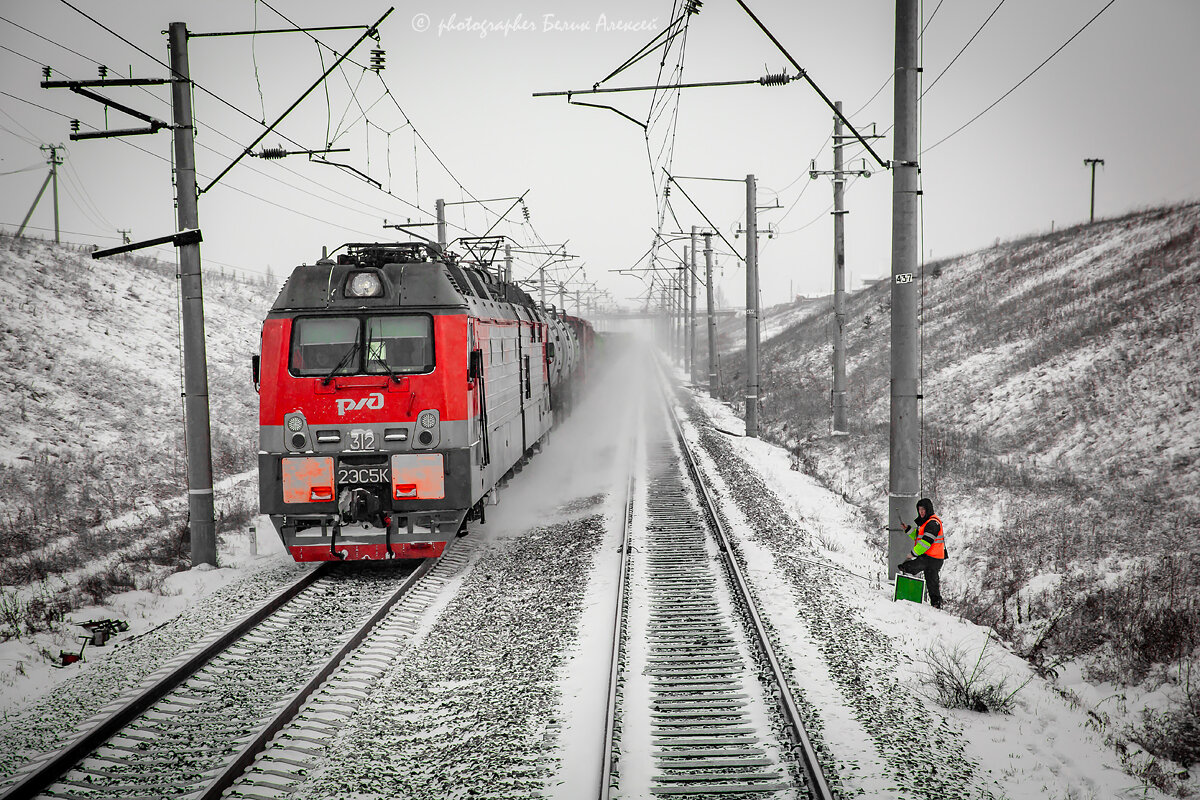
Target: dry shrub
[112, 580]
[1174, 733]
[12, 614]
[46, 609]
[960, 681]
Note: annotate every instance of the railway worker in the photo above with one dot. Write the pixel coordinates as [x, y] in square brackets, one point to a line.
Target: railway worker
[929, 550]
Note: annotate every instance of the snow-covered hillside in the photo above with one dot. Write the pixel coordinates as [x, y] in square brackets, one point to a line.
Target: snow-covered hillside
[90, 384]
[91, 351]
[1060, 441]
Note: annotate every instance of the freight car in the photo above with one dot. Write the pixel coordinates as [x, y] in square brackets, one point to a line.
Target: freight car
[398, 386]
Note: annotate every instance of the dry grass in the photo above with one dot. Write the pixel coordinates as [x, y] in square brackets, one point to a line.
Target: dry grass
[95, 501]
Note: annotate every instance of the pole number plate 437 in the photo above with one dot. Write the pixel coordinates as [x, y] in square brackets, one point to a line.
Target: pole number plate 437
[359, 475]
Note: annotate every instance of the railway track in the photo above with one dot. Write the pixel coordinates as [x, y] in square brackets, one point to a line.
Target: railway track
[201, 720]
[695, 681]
[299, 748]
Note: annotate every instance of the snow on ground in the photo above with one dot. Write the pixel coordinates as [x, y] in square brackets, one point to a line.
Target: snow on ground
[779, 318]
[1047, 748]
[27, 665]
[774, 321]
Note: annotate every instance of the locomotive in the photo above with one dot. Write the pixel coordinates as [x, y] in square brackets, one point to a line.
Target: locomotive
[398, 387]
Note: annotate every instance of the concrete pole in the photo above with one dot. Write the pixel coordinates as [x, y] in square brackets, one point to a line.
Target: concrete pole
[439, 207]
[686, 308]
[676, 328]
[1093, 162]
[692, 307]
[839, 278]
[195, 361]
[683, 312]
[542, 284]
[713, 379]
[751, 308]
[55, 161]
[667, 331]
[508, 263]
[904, 476]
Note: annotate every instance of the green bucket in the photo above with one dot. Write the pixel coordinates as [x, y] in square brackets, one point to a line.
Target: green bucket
[909, 588]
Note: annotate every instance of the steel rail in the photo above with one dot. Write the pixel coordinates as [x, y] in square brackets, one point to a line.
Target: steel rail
[609, 758]
[246, 757]
[62, 761]
[787, 703]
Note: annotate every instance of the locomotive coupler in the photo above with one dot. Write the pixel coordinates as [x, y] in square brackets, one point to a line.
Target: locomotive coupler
[360, 505]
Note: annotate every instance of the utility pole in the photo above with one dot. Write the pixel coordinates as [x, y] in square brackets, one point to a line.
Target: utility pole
[195, 361]
[676, 328]
[904, 477]
[667, 331]
[201, 522]
[751, 308]
[52, 176]
[1087, 161]
[692, 306]
[542, 284]
[839, 173]
[125, 232]
[508, 263]
[685, 308]
[55, 160]
[839, 277]
[187, 239]
[683, 311]
[713, 386]
[439, 207]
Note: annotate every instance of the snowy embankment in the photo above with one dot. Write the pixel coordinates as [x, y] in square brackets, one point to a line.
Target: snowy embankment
[823, 586]
[92, 469]
[1061, 443]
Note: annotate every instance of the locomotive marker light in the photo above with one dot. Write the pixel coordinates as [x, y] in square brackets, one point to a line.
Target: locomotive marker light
[428, 434]
[297, 437]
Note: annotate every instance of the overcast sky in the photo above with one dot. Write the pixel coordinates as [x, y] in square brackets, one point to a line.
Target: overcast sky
[463, 72]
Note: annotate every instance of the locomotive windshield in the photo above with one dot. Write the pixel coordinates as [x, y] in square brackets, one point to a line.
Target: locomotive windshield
[327, 346]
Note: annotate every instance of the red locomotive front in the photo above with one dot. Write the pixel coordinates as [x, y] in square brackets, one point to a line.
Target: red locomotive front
[375, 436]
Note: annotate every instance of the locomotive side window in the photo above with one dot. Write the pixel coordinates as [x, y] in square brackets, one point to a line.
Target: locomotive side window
[319, 344]
[399, 344]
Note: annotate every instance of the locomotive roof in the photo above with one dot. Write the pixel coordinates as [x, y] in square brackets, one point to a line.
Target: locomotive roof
[413, 275]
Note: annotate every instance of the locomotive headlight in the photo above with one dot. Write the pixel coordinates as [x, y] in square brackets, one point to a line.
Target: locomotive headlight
[427, 419]
[364, 284]
[295, 424]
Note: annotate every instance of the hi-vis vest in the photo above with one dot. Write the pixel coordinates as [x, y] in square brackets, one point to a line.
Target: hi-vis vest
[938, 548]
